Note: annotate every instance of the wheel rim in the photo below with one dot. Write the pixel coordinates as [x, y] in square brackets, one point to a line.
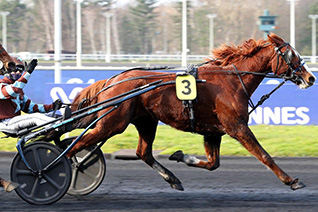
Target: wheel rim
[48, 186]
[87, 177]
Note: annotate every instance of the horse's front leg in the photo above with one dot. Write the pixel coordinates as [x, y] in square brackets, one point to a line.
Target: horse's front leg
[146, 127]
[212, 150]
[244, 135]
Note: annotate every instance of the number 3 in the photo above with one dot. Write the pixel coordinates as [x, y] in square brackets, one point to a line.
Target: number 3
[186, 87]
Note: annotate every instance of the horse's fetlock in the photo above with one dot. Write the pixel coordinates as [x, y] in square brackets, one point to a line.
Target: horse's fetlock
[212, 167]
[190, 160]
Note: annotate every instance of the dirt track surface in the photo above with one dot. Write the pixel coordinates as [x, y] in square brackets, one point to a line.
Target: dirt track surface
[240, 184]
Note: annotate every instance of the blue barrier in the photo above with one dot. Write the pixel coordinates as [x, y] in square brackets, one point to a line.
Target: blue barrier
[287, 106]
[36, 91]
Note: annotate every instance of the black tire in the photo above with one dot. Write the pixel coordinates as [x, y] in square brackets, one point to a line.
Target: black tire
[48, 187]
[88, 176]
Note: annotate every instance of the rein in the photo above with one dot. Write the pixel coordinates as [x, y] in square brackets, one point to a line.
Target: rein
[236, 72]
[250, 102]
[265, 97]
[125, 80]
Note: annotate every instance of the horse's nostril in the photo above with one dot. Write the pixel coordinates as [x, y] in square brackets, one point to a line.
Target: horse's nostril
[312, 80]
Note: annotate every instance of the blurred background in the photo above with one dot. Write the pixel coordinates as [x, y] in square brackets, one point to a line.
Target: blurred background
[79, 42]
[149, 26]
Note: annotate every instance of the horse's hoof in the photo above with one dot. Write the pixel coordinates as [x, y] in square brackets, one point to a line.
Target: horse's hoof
[177, 186]
[295, 184]
[178, 156]
[10, 186]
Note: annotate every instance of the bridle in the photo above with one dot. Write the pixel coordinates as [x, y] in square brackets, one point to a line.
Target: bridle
[291, 74]
[288, 57]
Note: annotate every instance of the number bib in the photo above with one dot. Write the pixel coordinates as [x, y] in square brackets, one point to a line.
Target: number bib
[186, 87]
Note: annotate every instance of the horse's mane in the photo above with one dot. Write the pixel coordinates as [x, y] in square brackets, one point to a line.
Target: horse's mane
[230, 54]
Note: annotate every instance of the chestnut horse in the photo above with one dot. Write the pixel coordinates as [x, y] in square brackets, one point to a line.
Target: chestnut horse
[221, 106]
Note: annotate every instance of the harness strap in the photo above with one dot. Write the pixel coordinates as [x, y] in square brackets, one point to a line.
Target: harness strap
[262, 99]
[188, 104]
[132, 78]
[81, 103]
[266, 96]
[250, 102]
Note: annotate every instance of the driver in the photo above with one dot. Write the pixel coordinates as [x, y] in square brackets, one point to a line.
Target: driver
[13, 100]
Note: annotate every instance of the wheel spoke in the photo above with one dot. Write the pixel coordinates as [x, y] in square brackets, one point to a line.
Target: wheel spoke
[37, 159]
[92, 176]
[51, 181]
[74, 159]
[35, 188]
[74, 178]
[23, 172]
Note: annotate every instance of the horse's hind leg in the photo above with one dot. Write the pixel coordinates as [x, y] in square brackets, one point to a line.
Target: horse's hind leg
[212, 149]
[147, 127]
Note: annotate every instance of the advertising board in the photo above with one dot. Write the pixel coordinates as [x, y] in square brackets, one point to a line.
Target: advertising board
[289, 105]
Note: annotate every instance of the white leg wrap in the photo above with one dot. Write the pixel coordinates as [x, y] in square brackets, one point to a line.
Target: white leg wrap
[190, 160]
[160, 170]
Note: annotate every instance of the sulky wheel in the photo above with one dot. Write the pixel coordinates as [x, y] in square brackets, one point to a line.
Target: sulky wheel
[44, 186]
[86, 175]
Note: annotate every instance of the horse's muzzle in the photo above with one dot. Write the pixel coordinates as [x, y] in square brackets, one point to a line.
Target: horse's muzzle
[311, 80]
[302, 83]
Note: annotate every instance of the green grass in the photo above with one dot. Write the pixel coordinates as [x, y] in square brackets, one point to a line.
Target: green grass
[277, 141]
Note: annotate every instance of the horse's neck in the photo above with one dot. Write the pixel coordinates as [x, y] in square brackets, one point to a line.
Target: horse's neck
[259, 64]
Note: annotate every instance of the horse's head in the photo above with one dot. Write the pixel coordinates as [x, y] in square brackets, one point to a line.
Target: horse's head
[288, 63]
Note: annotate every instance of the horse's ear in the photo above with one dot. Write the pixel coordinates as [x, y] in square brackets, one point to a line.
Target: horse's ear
[275, 39]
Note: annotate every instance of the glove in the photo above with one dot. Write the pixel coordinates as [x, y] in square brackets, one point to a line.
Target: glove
[31, 66]
[57, 104]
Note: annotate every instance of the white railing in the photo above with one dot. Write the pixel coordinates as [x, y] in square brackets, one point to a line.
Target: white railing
[113, 57]
[122, 57]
